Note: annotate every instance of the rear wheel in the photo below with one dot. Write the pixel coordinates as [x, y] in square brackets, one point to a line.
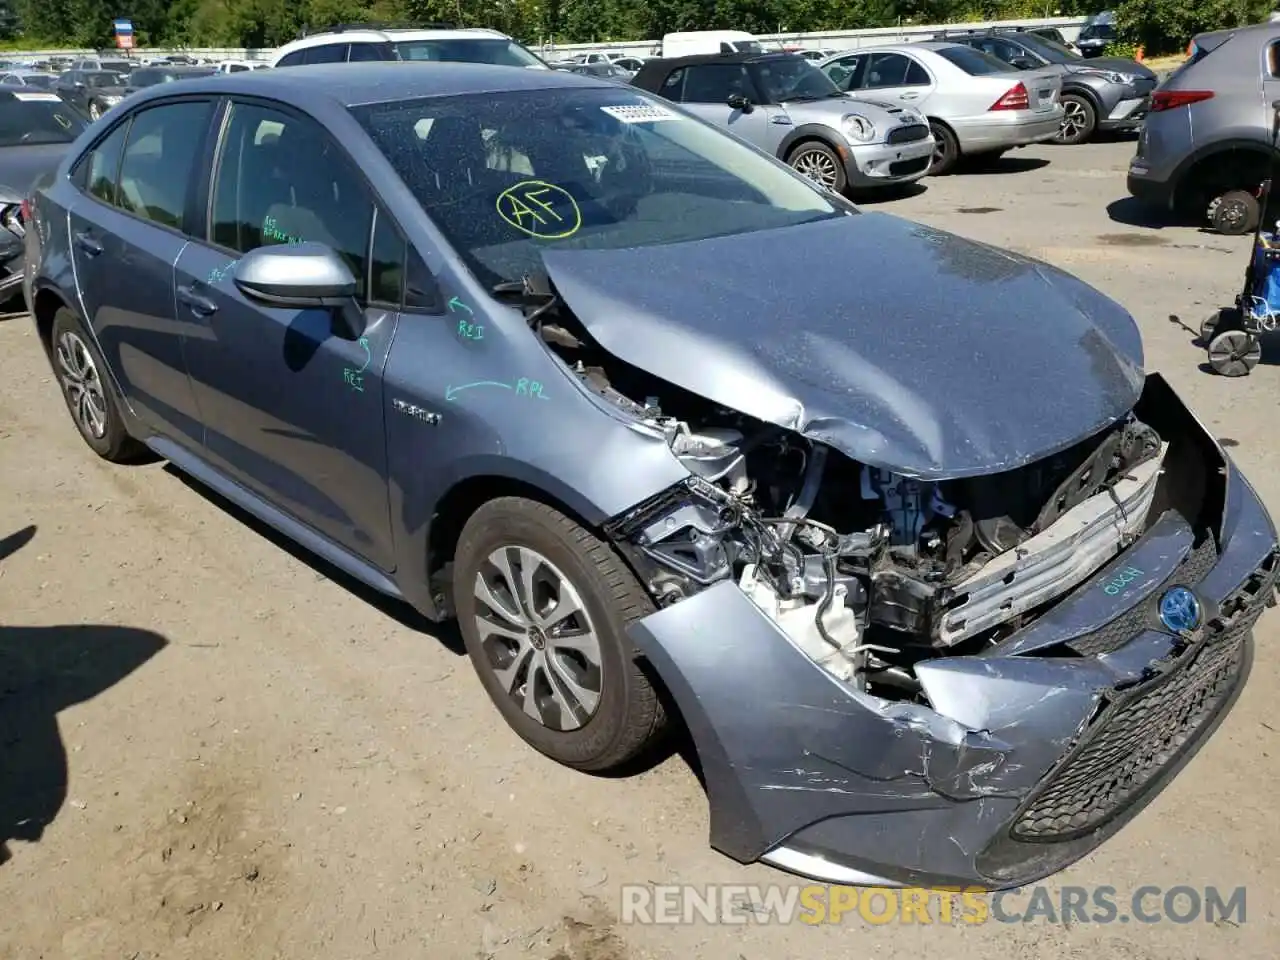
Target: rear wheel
[819, 163]
[543, 606]
[1079, 119]
[946, 150]
[82, 375]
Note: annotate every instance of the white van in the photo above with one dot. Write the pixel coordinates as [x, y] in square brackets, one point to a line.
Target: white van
[695, 42]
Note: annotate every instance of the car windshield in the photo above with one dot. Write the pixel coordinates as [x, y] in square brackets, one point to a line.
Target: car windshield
[42, 80]
[1047, 49]
[117, 66]
[793, 78]
[495, 50]
[27, 121]
[1098, 31]
[103, 80]
[506, 175]
[975, 62]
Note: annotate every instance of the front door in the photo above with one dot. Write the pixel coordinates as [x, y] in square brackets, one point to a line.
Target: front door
[706, 89]
[127, 231]
[292, 411]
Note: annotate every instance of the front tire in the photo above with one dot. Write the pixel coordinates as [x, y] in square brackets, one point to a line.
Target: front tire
[819, 163]
[1079, 120]
[543, 606]
[82, 377]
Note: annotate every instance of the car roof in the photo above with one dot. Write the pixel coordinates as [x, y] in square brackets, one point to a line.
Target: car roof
[378, 34]
[378, 82]
[1215, 38]
[738, 57]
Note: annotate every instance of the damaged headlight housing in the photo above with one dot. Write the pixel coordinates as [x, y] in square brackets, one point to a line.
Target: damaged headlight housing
[857, 127]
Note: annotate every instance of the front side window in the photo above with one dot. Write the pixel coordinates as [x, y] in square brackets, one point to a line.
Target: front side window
[495, 50]
[368, 53]
[291, 59]
[282, 179]
[104, 165]
[789, 79]
[847, 73]
[504, 175]
[31, 118]
[894, 70]
[715, 82]
[1043, 48]
[98, 80]
[160, 160]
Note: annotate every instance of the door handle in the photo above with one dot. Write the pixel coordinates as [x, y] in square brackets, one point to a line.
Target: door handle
[89, 245]
[199, 304]
[911, 96]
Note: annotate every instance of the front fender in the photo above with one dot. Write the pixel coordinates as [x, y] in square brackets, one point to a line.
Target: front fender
[816, 131]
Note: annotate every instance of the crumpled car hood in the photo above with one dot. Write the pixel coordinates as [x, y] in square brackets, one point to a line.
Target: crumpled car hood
[901, 346]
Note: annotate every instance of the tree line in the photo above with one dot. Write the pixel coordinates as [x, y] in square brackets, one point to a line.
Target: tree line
[1159, 24]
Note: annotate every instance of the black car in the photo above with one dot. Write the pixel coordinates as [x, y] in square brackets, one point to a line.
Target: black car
[92, 92]
[36, 128]
[150, 76]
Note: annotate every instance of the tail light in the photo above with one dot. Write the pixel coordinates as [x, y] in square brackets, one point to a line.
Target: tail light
[1172, 99]
[1015, 99]
[26, 211]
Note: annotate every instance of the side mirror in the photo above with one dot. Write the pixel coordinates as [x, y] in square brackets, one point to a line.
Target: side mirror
[737, 101]
[304, 276]
[1024, 63]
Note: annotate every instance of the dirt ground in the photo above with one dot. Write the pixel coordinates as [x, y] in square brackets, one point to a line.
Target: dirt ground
[238, 755]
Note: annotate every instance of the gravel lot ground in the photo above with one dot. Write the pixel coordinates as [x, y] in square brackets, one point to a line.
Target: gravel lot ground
[243, 757]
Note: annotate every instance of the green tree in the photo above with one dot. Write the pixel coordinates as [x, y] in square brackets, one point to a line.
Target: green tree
[1167, 26]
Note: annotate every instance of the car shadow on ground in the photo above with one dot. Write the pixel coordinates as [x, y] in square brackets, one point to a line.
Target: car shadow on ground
[980, 166]
[1132, 212]
[44, 670]
[446, 633]
[905, 191]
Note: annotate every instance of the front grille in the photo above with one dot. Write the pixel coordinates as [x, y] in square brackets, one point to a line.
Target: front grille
[911, 133]
[1128, 625]
[904, 168]
[1145, 728]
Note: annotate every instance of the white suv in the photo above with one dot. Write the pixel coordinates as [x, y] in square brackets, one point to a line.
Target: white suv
[356, 43]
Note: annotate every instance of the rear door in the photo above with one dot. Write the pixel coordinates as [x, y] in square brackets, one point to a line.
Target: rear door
[293, 412]
[127, 230]
[898, 78]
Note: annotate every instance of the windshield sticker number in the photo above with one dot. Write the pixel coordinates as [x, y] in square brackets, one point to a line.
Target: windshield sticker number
[639, 113]
[540, 209]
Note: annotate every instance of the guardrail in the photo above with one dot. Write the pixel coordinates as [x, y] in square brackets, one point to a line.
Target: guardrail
[833, 39]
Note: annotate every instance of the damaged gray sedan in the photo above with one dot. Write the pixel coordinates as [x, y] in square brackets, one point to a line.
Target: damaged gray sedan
[944, 587]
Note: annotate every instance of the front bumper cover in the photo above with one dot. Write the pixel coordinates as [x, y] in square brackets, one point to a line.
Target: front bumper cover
[1033, 754]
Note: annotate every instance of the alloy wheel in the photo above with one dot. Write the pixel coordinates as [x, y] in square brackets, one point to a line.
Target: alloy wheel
[1073, 120]
[538, 638]
[817, 166]
[82, 385]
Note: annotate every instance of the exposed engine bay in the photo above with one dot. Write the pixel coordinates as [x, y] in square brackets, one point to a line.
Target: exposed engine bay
[867, 572]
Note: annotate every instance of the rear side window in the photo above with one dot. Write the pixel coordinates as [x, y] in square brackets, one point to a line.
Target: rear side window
[369, 52]
[328, 53]
[975, 63]
[160, 160]
[291, 59]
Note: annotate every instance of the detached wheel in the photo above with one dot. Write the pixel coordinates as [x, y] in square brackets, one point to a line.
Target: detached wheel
[543, 606]
[1234, 353]
[946, 150]
[1224, 319]
[1235, 213]
[1079, 119]
[82, 377]
[819, 163]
